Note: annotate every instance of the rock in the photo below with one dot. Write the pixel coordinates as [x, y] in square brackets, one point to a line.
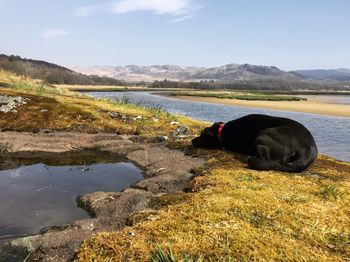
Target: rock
[46, 130]
[114, 115]
[18, 249]
[182, 131]
[125, 118]
[174, 123]
[9, 103]
[158, 160]
[165, 171]
[159, 139]
[137, 118]
[44, 110]
[115, 206]
[93, 202]
[167, 183]
[137, 139]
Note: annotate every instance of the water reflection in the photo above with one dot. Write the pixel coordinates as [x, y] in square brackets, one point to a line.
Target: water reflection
[39, 195]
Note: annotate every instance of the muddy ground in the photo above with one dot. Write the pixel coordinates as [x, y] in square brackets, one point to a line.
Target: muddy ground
[165, 171]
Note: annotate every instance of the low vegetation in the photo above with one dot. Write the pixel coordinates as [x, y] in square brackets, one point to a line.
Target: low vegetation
[101, 88]
[116, 88]
[53, 108]
[239, 95]
[236, 214]
[257, 85]
[228, 213]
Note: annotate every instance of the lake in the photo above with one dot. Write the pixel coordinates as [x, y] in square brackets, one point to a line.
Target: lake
[331, 133]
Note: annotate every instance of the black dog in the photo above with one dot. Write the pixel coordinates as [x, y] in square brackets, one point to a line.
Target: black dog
[272, 143]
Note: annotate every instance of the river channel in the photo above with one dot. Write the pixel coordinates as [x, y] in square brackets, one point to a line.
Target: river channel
[332, 133]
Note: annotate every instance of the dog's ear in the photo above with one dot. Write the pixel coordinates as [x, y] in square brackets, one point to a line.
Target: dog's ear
[216, 124]
[215, 127]
[213, 130]
[208, 137]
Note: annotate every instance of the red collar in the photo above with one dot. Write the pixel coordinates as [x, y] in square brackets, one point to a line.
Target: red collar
[221, 126]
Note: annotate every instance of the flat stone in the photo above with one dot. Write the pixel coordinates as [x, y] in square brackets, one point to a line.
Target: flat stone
[166, 171]
[167, 183]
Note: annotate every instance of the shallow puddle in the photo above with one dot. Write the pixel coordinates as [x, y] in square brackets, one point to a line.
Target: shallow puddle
[40, 195]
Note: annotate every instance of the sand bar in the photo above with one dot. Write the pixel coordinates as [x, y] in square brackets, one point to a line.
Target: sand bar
[312, 105]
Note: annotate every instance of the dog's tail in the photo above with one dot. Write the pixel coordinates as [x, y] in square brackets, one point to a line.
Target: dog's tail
[263, 164]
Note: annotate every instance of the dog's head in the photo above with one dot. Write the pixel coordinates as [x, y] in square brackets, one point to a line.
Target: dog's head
[208, 138]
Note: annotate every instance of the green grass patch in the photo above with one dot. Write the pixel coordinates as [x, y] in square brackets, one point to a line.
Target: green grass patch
[330, 192]
[239, 96]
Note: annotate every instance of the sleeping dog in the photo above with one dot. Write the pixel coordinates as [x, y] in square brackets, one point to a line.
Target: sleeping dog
[272, 143]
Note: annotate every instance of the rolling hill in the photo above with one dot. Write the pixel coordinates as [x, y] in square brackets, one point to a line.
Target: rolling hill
[51, 73]
[341, 74]
[226, 73]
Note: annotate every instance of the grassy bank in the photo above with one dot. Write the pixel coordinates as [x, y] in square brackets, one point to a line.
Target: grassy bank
[239, 95]
[102, 88]
[238, 214]
[59, 109]
[229, 212]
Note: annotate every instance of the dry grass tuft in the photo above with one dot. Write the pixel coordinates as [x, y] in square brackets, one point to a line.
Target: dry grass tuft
[241, 214]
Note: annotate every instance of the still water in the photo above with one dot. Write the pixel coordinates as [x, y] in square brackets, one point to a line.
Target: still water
[332, 134]
[39, 195]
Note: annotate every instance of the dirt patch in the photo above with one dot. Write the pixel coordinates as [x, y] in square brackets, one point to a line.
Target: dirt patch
[167, 171]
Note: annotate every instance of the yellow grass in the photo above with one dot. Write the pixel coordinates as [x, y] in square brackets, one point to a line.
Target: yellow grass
[243, 215]
[231, 212]
[68, 110]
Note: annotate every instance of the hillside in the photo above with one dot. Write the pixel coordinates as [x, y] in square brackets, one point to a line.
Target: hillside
[51, 73]
[231, 76]
[341, 74]
[226, 73]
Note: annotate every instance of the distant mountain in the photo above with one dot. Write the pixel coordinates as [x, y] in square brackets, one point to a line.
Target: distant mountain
[226, 73]
[341, 74]
[244, 76]
[52, 73]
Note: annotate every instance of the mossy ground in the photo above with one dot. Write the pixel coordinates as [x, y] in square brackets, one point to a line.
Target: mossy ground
[229, 212]
[58, 109]
[239, 214]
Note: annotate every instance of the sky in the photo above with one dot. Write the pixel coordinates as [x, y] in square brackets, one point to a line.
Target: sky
[289, 34]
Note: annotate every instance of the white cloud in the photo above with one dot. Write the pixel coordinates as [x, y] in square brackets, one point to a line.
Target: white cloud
[92, 9]
[181, 18]
[54, 33]
[172, 7]
[180, 10]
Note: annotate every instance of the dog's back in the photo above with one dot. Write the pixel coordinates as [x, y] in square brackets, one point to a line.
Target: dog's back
[239, 135]
[274, 143]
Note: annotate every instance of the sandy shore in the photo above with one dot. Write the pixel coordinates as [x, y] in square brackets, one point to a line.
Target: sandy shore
[312, 105]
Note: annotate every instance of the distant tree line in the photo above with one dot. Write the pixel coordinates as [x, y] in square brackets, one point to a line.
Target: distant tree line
[255, 84]
[51, 73]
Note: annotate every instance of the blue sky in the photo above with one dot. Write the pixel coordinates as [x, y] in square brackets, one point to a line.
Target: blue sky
[290, 34]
